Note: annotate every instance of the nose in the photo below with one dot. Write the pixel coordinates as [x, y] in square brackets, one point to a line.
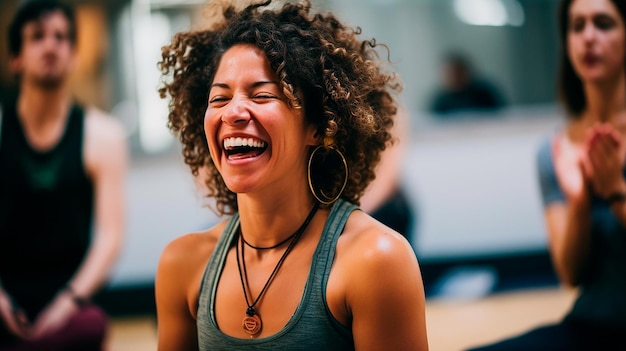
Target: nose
[50, 42]
[236, 111]
[589, 32]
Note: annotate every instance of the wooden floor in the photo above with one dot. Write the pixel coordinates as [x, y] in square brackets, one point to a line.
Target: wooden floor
[452, 325]
[457, 325]
[133, 334]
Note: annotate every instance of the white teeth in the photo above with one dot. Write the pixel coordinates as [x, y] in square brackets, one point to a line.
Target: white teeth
[230, 143]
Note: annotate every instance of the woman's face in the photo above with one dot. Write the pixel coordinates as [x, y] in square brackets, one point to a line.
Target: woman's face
[257, 141]
[596, 39]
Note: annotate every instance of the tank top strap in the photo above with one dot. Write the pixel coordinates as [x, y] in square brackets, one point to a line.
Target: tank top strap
[335, 223]
[325, 253]
[214, 270]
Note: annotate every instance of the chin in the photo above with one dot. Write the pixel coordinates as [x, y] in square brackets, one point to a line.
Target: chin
[598, 79]
[239, 186]
[50, 82]
[594, 76]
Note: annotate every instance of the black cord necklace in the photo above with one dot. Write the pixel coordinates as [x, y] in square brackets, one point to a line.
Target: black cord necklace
[252, 323]
[260, 248]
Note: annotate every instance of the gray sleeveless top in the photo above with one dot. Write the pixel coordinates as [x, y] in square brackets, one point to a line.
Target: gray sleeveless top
[311, 327]
[602, 292]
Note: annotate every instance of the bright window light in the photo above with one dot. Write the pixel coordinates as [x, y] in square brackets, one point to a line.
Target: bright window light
[151, 32]
[489, 12]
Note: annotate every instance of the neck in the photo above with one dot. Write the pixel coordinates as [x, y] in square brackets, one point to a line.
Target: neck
[605, 101]
[39, 107]
[265, 224]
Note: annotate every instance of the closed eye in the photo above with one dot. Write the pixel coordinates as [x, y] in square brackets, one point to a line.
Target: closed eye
[604, 22]
[217, 99]
[577, 25]
[264, 96]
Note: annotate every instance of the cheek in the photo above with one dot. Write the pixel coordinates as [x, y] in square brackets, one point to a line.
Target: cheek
[575, 51]
[618, 50]
[70, 56]
[571, 47]
[210, 131]
[210, 121]
[621, 54]
[573, 38]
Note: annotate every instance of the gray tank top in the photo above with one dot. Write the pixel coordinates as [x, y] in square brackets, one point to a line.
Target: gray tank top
[311, 327]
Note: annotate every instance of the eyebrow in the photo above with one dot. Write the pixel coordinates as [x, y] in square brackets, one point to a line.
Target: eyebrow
[596, 13]
[254, 85]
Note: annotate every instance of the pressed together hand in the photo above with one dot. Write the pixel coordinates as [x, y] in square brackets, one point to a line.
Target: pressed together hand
[13, 317]
[51, 319]
[605, 154]
[595, 166]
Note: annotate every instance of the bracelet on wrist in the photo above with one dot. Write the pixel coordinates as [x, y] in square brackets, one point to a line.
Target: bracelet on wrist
[619, 196]
[80, 301]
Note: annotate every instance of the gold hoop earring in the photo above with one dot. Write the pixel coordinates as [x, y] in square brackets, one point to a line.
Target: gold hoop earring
[322, 197]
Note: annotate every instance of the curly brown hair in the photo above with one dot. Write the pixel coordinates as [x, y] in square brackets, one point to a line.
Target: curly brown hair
[323, 68]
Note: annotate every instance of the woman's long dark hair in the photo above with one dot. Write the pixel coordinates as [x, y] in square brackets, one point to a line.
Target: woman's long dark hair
[570, 87]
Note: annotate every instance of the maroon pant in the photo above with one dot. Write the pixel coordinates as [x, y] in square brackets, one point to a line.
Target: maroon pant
[85, 331]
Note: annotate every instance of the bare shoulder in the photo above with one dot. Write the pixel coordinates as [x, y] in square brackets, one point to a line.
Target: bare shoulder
[188, 253]
[185, 247]
[385, 264]
[105, 147]
[365, 239]
[102, 127]
[181, 267]
[376, 288]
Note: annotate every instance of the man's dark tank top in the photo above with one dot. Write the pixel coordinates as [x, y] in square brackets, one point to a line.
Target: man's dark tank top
[46, 205]
[311, 327]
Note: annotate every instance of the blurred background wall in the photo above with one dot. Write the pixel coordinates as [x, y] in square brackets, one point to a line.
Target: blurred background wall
[471, 173]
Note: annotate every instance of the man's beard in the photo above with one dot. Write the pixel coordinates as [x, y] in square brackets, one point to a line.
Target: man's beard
[49, 82]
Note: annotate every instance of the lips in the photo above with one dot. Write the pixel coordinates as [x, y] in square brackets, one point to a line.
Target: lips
[591, 59]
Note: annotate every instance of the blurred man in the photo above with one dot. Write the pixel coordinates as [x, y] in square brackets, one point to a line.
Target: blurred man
[61, 192]
[462, 90]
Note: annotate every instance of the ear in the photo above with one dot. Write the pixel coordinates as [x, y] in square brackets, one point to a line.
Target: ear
[312, 136]
[15, 64]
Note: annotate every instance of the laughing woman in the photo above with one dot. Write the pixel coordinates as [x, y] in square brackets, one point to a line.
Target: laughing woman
[284, 114]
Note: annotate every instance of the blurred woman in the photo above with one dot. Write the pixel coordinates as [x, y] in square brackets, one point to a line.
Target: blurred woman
[582, 177]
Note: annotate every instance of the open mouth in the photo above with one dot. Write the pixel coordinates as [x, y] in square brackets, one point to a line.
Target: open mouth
[240, 148]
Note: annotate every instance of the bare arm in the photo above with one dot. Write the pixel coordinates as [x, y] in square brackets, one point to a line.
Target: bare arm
[11, 316]
[569, 239]
[569, 222]
[106, 157]
[386, 298]
[176, 294]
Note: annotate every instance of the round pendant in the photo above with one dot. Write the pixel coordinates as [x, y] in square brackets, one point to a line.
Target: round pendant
[252, 324]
